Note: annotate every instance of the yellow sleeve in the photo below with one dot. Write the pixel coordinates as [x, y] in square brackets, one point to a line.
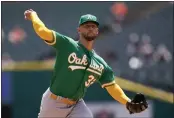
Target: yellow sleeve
[117, 93]
[41, 30]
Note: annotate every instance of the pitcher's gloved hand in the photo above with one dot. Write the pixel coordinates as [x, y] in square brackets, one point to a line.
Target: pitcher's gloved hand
[137, 104]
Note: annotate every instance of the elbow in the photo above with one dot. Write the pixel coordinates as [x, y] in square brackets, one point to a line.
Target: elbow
[44, 33]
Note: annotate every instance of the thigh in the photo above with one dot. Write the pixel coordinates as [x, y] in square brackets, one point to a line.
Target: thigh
[50, 108]
[80, 110]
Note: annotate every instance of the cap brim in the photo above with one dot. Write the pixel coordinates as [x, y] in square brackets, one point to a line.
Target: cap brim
[90, 21]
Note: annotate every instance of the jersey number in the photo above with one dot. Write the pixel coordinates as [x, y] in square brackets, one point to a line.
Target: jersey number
[90, 80]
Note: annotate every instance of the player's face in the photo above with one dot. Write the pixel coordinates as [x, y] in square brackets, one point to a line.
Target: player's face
[89, 31]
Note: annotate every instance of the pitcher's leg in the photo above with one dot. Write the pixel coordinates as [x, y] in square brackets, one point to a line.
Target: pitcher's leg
[80, 110]
[52, 108]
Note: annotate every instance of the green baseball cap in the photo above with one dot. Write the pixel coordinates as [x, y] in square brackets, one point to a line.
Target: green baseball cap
[88, 18]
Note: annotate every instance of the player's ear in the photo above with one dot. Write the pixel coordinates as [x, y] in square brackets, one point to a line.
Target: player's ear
[97, 32]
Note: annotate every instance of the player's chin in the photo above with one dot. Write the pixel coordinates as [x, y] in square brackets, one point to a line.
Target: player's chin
[91, 38]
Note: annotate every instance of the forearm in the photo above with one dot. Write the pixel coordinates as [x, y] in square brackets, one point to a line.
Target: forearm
[117, 93]
[39, 27]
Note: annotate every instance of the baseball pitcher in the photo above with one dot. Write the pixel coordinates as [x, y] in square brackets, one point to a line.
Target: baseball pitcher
[77, 67]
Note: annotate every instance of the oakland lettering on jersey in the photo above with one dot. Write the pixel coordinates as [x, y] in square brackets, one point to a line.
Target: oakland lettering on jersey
[73, 59]
[96, 66]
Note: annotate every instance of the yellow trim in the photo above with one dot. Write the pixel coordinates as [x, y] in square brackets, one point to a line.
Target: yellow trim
[54, 39]
[107, 84]
[123, 83]
[29, 66]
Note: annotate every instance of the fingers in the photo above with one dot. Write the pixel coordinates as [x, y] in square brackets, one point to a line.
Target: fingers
[27, 14]
[137, 107]
[28, 11]
[140, 108]
[133, 107]
[26, 18]
[143, 108]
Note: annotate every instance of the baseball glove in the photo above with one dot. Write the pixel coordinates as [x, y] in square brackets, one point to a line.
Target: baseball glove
[138, 104]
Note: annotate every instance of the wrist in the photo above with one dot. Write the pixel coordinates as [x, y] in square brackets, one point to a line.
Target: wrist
[128, 101]
[34, 16]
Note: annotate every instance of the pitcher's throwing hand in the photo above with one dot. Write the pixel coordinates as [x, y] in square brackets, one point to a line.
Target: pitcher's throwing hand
[28, 13]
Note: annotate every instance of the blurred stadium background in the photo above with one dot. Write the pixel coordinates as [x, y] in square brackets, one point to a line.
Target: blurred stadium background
[136, 39]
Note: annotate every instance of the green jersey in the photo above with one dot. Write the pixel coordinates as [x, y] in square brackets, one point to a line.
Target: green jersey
[76, 68]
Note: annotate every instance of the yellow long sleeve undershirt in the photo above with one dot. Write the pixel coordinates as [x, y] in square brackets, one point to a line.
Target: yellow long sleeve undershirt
[42, 31]
[117, 93]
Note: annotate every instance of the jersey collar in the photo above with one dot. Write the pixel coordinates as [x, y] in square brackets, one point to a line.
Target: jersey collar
[90, 52]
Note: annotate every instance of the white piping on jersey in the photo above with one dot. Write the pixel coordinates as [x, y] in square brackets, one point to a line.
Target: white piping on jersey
[94, 71]
[81, 67]
[76, 67]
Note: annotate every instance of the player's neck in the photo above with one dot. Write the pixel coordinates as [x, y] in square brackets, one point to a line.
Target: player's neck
[87, 44]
